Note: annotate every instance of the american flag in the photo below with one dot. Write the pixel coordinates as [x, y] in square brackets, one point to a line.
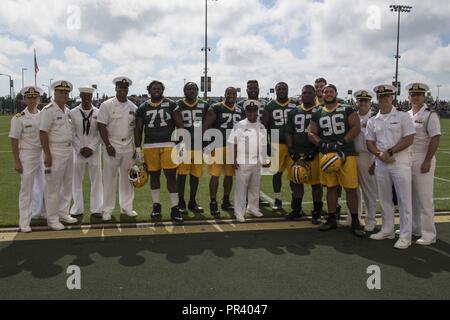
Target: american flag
[36, 67]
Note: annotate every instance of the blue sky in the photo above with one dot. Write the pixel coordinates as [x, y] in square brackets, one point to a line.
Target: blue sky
[351, 43]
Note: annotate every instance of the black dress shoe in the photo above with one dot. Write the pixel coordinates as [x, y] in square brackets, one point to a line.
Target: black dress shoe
[156, 213]
[194, 207]
[97, 215]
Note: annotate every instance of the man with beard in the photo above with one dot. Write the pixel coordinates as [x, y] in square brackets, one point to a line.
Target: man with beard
[274, 119]
[222, 116]
[193, 111]
[299, 146]
[333, 129]
[157, 119]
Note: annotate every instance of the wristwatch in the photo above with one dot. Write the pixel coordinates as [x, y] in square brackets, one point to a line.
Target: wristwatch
[391, 153]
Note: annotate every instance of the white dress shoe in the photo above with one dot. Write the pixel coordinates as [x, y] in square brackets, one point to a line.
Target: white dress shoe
[402, 244]
[240, 218]
[256, 214]
[25, 229]
[424, 242]
[68, 219]
[57, 226]
[130, 213]
[381, 236]
[106, 216]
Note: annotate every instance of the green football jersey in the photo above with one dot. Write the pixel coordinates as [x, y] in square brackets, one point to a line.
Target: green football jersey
[278, 115]
[193, 115]
[333, 125]
[158, 121]
[297, 126]
[226, 118]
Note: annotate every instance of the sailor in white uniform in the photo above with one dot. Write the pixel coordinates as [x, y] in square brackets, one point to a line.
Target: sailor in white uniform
[389, 137]
[56, 137]
[116, 122]
[367, 191]
[27, 153]
[249, 137]
[86, 147]
[426, 142]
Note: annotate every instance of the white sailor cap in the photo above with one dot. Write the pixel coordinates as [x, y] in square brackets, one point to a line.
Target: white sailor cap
[86, 89]
[364, 94]
[417, 87]
[62, 85]
[385, 89]
[31, 92]
[252, 104]
[122, 81]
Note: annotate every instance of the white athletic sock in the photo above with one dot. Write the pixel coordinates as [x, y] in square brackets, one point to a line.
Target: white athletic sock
[156, 195]
[278, 195]
[173, 199]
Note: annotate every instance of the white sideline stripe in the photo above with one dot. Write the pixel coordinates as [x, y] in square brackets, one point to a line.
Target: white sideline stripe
[442, 179]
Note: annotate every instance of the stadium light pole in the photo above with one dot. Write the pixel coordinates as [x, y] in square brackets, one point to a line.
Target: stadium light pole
[10, 88]
[399, 9]
[206, 49]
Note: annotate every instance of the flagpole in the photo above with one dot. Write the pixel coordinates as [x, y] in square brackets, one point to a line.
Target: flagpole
[35, 64]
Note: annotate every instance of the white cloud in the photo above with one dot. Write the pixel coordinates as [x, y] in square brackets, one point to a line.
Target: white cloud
[292, 41]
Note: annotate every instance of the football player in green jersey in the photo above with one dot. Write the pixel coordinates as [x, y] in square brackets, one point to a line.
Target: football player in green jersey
[333, 129]
[319, 85]
[300, 148]
[275, 119]
[222, 116]
[157, 119]
[253, 94]
[193, 111]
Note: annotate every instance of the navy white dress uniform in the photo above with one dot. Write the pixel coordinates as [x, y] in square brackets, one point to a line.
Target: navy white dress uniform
[427, 125]
[25, 129]
[86, 135]
[120, 120]
[367, 191]
[386, 130]
[55, 121]
[251, 141]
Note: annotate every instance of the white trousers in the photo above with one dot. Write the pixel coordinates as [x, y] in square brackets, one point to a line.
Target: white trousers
[422, 202]
[121, 163]
[399, 175]
[95, 176]
[248, 181]
[32, 186]
[58, 191]
[367, 191]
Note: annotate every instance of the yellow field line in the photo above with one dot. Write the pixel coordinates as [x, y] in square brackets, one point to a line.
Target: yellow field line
[169, 229]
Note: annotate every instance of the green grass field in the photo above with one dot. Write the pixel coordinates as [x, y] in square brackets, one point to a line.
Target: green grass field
[10, 181]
